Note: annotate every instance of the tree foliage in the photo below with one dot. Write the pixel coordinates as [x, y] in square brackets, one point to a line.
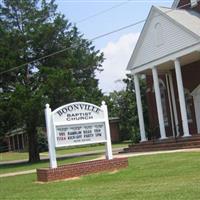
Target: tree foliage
[29, 30]
[123, 104]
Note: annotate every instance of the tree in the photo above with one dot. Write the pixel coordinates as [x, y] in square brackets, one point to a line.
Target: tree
[123, 104]
[29, 30]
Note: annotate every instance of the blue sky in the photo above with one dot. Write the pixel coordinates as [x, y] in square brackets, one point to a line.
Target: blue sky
[117, 47]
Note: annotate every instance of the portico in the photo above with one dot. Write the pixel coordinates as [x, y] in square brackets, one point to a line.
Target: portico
[166, 47]
[173, 108]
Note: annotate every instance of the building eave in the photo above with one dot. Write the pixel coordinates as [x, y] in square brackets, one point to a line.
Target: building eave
[167, 58]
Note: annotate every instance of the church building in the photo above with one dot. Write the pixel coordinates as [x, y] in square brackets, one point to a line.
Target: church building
[168, 54]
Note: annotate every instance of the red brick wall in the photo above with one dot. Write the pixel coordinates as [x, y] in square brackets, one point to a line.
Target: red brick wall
[114, 131]
[80, 169]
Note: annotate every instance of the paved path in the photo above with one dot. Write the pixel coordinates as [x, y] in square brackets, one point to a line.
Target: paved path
[115, 156]
[18, 173]
[70, 155]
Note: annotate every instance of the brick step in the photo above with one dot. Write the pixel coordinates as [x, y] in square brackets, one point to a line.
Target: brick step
[170, 141]
[166, 144]
[128, 150]
[158, 148]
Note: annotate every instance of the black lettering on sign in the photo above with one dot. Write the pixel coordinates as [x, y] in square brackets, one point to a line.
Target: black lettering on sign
[70, 108]
[74, 133]
[88, 135]
[87, 127]
[87, 131]
[76, 107]
[86, 139]
[77, 140]
[74, 137]
[62, 129]
[61, 134]
[97, 130]
[61, 138]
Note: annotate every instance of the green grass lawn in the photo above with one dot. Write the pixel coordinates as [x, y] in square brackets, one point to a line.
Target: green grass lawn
[174, 176]
[8, 168]
[10, 156]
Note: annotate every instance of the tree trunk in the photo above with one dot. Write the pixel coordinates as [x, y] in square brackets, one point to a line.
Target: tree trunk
[34, 155]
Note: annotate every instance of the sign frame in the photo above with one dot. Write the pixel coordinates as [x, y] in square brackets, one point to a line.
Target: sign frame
[53, 121]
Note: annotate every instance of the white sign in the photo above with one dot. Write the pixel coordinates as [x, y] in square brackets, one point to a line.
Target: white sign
[77, 123]
[68, 135]
[79, 111]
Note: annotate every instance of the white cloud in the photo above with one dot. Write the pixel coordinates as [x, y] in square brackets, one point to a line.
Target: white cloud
[117, 55]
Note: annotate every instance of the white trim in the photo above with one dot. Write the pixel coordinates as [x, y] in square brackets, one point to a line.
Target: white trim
[154, 9]
[140, 39]
[169, 57]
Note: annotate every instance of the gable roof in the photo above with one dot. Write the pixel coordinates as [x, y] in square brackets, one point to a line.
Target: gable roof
[188, 21]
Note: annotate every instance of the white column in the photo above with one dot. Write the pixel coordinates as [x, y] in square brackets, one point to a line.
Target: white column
[139, 108]
[181, 98]
[170, 105]
[50, 137]
[109, 154]
[174, 103]
[159, 103]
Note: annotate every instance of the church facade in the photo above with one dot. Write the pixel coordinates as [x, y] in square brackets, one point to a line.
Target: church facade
[168, 54]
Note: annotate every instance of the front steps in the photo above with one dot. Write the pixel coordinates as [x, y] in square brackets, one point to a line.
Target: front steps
[166, 144]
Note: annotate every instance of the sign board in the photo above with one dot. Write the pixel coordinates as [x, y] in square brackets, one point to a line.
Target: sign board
[70, 135]
[78, 111]
[77, 123]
